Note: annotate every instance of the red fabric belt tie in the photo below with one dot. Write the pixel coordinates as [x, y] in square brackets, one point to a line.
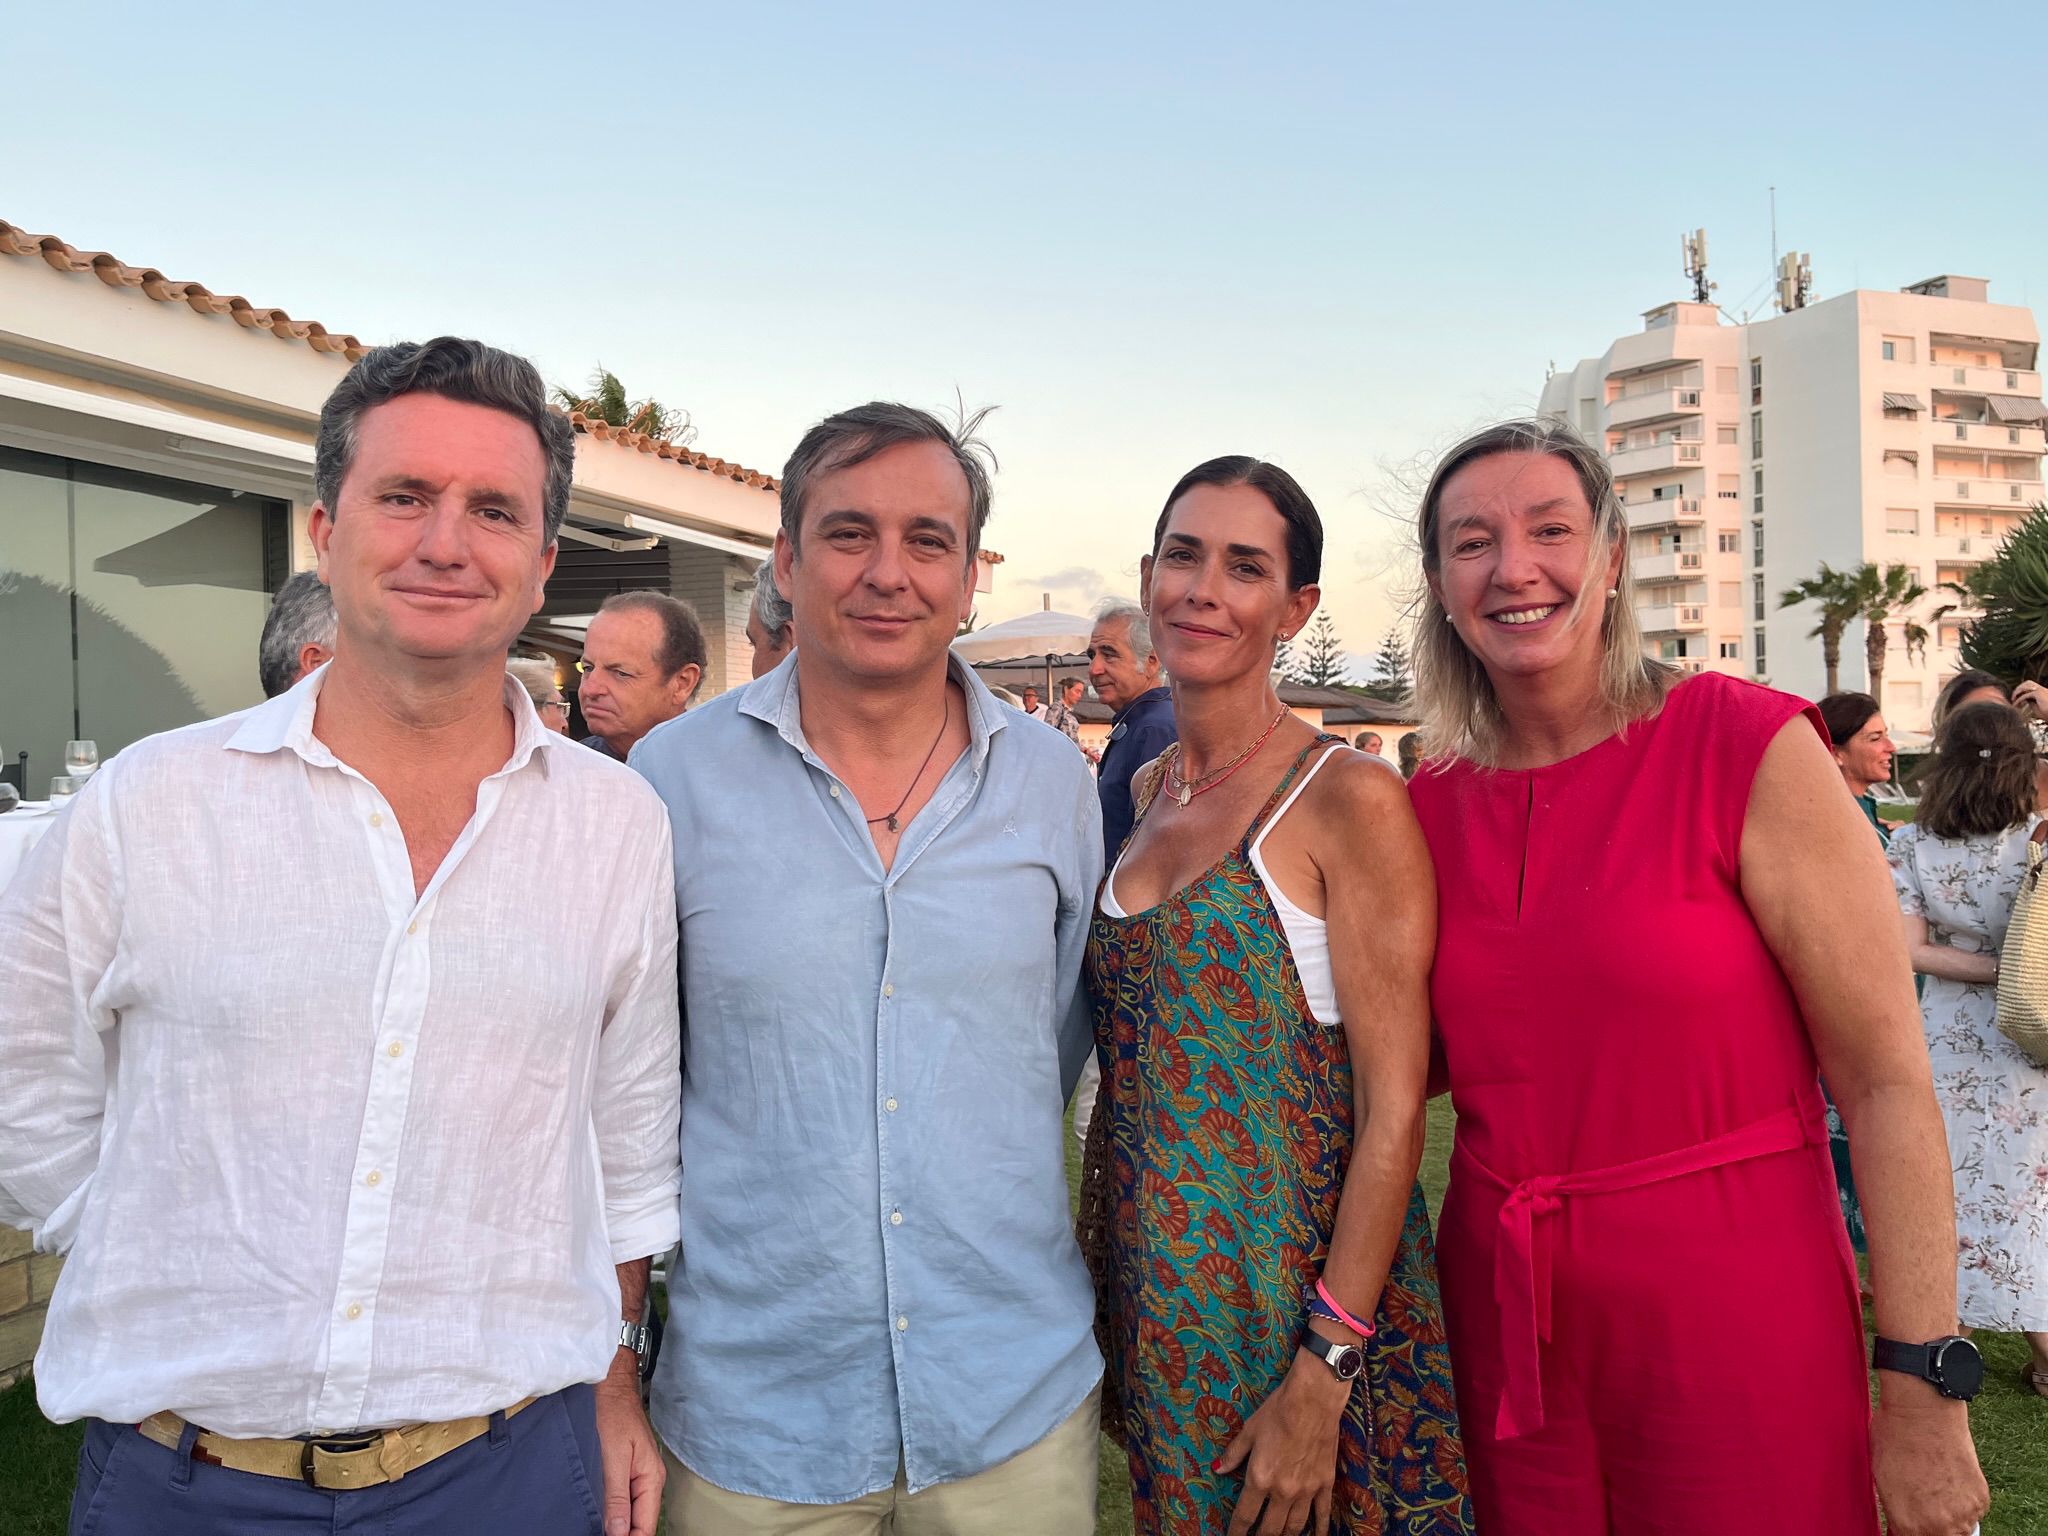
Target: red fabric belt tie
[1523, 1245]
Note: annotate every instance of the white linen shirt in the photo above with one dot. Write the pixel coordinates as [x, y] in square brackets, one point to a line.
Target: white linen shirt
[326, 1155]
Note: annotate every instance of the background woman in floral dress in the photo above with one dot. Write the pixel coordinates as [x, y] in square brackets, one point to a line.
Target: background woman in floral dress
[1958, 869]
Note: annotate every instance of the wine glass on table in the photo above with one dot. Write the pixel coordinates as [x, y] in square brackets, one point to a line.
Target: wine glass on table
[62, 788]
[81, 759]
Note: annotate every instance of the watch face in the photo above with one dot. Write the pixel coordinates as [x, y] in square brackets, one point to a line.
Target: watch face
[1350, 1360]
[1959, 1369]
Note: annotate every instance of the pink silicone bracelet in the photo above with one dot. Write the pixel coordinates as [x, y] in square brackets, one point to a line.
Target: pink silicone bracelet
[1363, 1330]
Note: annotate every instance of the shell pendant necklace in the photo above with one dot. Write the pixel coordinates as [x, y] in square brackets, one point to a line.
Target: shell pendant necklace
[1184, 790]
[945, 720]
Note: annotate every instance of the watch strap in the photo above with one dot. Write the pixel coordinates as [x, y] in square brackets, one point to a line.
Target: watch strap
[1910, 1359]
[636, 1337]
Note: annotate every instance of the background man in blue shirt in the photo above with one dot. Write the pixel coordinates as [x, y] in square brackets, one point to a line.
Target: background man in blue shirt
[1125, 673]
[885, 887]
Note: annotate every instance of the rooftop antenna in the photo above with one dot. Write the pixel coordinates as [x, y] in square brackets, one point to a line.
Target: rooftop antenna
[1694, 247]
[1795, 280]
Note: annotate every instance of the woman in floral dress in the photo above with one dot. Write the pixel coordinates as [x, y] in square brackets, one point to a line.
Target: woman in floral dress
[1958, 869]
[1257, 968]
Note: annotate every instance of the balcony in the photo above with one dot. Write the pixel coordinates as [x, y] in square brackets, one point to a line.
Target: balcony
[1682, 619]
[1664, 512]
[1958, 379]
[1671, 565]
[1966, 548]
[1652, 405]
[1657, 456]
[2006, 495]
[1990, 436]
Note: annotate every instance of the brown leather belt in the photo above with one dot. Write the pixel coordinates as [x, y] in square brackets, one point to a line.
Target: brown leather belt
[336, 1462]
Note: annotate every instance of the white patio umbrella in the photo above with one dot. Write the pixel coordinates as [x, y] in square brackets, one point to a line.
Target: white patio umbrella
[1046, 636]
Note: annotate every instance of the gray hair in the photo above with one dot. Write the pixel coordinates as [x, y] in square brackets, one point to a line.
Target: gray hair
[536, 674]
[456, 369]
[301, 614]
[1461, 714]
[771, 608]
[1122, 609]
[682, 635]
[853, 437]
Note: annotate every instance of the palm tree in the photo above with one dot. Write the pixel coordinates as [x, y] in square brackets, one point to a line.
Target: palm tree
[1881, 594]
[2010, 590]
[1840, 601]
[606, 400]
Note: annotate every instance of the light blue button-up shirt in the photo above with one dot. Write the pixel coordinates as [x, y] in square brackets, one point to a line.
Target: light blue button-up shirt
[878, 1266]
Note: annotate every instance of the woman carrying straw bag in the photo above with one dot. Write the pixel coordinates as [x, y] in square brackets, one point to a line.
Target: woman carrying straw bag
[1958, 869]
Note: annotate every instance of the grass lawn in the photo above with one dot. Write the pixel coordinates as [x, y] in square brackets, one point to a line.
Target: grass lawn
[37, 1458]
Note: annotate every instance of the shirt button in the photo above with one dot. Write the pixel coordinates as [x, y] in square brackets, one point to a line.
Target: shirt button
[902, 1325]
[835, 791]
[412, 927]
[355, 1310]
[888, 989]
[895, 1218]
[373, 1178]
[376, 818]
[397, 1048]
[889, 1105]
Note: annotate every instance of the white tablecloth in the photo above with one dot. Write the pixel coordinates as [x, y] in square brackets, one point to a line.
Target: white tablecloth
[20, 830]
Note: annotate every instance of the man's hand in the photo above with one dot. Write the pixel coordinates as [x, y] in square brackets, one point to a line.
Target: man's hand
[633, 1471]
[1927, 1475]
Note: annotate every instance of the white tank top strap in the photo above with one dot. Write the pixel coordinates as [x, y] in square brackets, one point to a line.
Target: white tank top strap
[1308, 936]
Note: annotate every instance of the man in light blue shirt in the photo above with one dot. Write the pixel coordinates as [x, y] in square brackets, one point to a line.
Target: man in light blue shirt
[884, 886]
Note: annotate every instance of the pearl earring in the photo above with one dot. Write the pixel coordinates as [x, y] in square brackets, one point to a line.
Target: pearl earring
[1614, 591]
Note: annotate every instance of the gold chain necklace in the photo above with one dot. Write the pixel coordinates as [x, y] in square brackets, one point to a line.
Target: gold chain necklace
[1185, 790]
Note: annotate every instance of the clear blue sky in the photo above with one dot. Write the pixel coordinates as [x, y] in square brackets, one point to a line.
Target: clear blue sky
[1335, 237]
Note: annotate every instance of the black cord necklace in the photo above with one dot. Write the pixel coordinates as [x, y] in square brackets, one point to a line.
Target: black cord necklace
[947, 720]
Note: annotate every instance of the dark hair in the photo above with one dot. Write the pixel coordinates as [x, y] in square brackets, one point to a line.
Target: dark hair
[301, 614]
[853, 437]
[1304, 526]
[1982, 777]
[682, 637]
[1964, 683]
[1844, 714]
[455, 369]
[1070, 682]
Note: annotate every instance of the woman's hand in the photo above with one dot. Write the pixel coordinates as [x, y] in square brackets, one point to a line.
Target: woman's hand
[1288, 1449]
[1927, 1475]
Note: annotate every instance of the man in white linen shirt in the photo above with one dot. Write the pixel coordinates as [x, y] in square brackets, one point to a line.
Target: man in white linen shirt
[358, 1177]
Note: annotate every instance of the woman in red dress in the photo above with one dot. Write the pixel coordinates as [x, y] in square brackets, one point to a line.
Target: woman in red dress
[1658, 916]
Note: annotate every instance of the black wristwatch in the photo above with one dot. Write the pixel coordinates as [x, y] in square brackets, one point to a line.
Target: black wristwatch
[1346, 1360]
[1952, 1365]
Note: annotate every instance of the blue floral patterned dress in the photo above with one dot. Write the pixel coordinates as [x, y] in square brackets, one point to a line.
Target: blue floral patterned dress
[1226, 1120]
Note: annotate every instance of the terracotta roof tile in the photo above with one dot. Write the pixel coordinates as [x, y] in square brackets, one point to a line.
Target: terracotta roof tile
[605, 432]
[115, 273]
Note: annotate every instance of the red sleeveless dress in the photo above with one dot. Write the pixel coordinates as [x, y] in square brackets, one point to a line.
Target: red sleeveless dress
[1651, 1300]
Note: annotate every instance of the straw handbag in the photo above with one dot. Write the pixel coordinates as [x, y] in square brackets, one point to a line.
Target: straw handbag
[2023, 963]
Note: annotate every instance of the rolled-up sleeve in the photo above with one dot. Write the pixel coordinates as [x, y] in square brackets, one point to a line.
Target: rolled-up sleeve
[1081, 876]
[638, 1100]
[59, 930]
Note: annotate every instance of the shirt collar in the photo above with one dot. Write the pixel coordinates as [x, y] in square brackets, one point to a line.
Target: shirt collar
[773, 699]
[1160, 692]
[285, 723]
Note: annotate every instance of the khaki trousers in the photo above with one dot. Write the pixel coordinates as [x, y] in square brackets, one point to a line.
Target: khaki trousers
[1046, 1490]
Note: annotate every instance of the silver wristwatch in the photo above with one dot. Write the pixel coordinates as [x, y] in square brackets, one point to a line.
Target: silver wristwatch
[637, 1337]
[1345, 1360]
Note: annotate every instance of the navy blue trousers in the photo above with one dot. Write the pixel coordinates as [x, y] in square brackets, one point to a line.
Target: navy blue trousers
[536, 1474]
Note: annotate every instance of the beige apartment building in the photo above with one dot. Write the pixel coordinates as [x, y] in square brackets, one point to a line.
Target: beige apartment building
[1897, 428]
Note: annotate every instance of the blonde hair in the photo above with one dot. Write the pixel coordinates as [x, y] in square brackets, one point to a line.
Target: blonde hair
[1461, 714]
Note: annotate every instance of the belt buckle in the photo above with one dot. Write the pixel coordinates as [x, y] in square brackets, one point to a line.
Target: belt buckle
[334, 1445]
